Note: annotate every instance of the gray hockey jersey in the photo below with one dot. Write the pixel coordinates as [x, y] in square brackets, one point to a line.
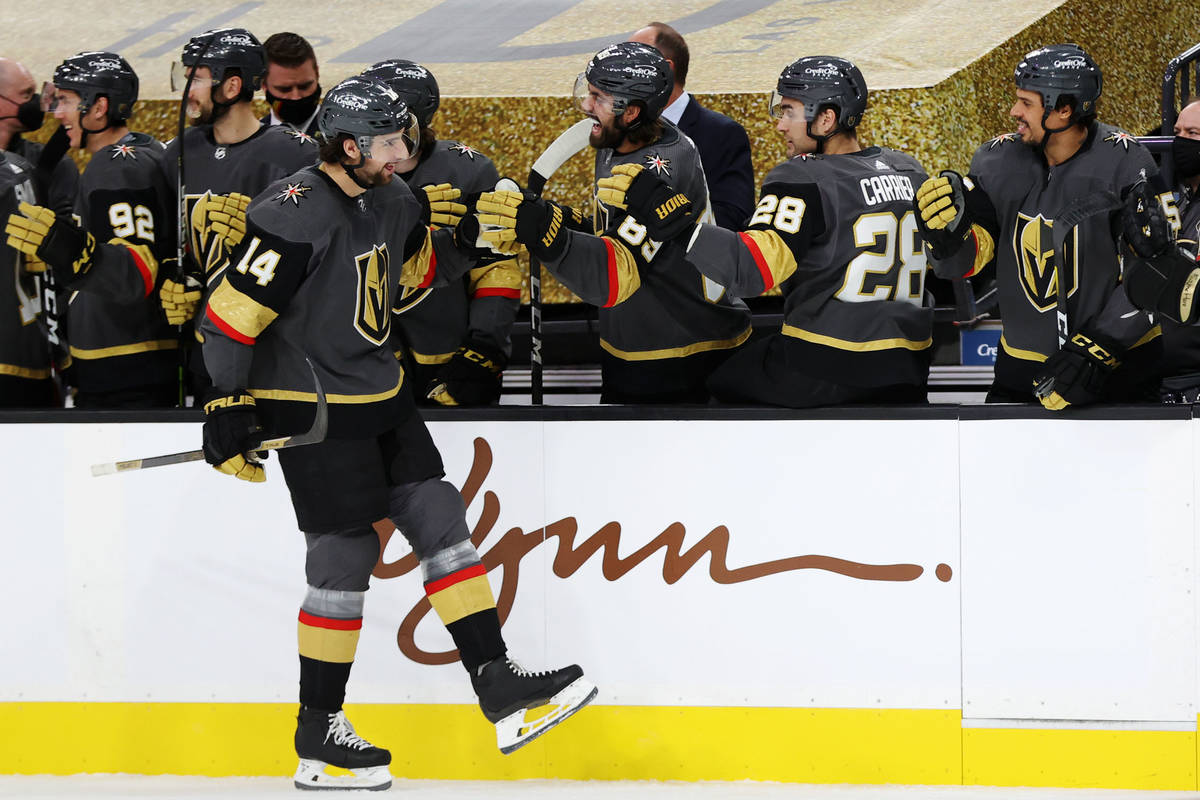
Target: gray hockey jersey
[1181, 343]
[1016, 198]
[24, 345]
[247, 167]
[483, 306]
[654, 305]
[837, 234]
[118, 335]
[313, 278]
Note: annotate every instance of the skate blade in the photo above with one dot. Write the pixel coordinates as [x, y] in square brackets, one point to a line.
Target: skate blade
[311, 774]
[522, 727]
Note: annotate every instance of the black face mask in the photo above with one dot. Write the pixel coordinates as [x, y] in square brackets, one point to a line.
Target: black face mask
[29, 113]
[295, 112]
[1186, 155]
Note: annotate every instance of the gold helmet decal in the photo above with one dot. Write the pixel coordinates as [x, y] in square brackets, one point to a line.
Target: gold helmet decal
[373, 312]
[1033, 245]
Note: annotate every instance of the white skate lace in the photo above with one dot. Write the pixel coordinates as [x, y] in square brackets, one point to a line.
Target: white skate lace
[526, 673]
[343, 733]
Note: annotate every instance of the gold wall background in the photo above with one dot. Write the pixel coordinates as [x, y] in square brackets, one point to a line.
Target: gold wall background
[1132, 40]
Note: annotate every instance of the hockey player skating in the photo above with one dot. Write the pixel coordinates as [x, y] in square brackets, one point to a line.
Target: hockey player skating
[322, 252]
[1071, 336]
[124, 354]
[457, 336]
[834, 229]
[663, 326]
[228, 152]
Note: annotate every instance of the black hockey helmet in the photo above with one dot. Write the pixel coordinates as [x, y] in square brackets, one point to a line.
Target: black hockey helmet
[1058, 70]
[414, 83]
[823, 80]
[225, 49]
[99, 74]
[364, 107]
[631, 72]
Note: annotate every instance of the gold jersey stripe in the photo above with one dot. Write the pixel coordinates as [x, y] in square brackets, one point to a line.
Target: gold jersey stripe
[311, 397]
[777, 257]
[124, 349]
[1016, 352]
[415, 271]
[24, 372]
[241, 312]
[324, 644]
[676, 352]
[858, 347]
[463, 599]
[1149, 336]
[440, 358]
[501, 275]
[623, 276]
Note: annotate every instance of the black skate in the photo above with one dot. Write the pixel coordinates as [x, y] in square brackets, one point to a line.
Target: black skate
[508, 694]
[326, 738]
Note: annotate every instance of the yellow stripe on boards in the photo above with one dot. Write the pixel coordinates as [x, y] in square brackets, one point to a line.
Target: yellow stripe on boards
[1110, 759]
[601, 743]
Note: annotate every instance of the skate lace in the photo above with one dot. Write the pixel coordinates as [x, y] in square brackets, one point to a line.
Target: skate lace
[343, 733]
[526, 673]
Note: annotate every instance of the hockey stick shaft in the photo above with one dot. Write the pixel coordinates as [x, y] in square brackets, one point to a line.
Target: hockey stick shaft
[1065, 224]
[569, 142]
[313, 435]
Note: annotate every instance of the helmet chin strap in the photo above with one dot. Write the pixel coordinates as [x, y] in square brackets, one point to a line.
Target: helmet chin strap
[818, 138]
[350, 169]
[84, 132]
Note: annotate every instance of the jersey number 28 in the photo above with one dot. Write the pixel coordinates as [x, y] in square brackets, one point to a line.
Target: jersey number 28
[894, 267]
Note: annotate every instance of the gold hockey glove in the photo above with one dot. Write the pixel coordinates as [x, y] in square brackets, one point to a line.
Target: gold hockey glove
[218, 225]
[56, 240]
[441, 208]
[231, 432]
[179, 300]
[1144, 225]
[941, 205]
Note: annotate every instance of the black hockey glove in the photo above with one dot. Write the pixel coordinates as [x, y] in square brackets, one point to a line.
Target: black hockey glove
[470, 378]
[1143, 223]
[509, 219]
[941, 206]
[66, 247]
[1077, 374]
[1165, 284]
[665, 211]
[231, 431]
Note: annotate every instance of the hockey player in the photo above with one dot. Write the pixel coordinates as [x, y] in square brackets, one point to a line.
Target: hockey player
[311, 281]
[457, 336]
[228, 151]
[123, 352]
[1162, 273]
[1070, 336]
[834, 229]
[25, 353]
[663, 326]
[56, 178]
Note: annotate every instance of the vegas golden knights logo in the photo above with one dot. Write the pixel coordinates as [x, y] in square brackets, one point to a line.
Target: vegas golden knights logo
[410, 297]
[1033, 245]
[208, 249]
[373, 312]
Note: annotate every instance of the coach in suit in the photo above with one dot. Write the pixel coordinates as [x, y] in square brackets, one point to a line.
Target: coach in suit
[723, 144]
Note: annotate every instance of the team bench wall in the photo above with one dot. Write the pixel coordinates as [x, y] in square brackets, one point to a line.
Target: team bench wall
[936, 595]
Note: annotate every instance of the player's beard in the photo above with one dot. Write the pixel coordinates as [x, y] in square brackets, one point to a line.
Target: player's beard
[608, 136]
[208, 113]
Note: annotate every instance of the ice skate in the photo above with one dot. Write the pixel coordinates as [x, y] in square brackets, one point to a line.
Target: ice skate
[522, 704]
[327, 739]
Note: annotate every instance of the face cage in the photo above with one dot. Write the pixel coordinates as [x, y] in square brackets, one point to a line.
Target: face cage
[399, 145]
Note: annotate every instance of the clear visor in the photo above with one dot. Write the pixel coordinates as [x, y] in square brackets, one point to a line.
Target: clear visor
[788, 108]
[50, 97]
[589, 100]
[179, 76]
[396, 146]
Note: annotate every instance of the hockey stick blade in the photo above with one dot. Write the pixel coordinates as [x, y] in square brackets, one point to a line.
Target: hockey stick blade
[569, 142]
[313, 435]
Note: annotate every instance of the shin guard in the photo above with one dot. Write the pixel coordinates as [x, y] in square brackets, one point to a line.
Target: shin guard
[328, 629]
[458, 589]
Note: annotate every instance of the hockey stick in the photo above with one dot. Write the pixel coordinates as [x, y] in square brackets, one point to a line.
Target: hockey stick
[313, 435]
[571, 141]
[1101, 202]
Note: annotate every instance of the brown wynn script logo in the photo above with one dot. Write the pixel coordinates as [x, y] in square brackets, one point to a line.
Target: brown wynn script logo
[517, 543]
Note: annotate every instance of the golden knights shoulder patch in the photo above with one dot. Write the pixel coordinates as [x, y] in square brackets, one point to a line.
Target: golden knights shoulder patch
[373, 311]
[1001, 139]
[1120, 139]
[294, 192]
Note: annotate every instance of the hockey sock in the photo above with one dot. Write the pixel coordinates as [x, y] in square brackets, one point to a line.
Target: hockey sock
[458, 589]
[328, 629]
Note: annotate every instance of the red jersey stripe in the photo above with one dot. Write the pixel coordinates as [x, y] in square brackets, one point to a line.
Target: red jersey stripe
[760, 262]
[314, 621]
[433, 587]
[228, 329]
